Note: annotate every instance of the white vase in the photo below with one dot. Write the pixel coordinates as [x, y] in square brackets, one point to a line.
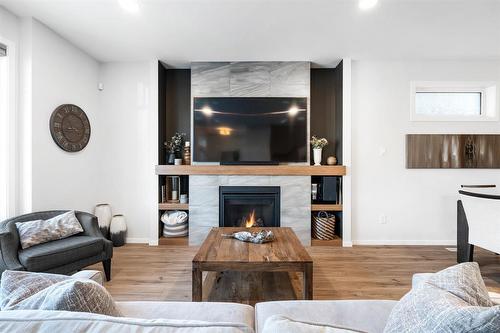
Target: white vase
[317, 155]
[103, 214]
[118, 230]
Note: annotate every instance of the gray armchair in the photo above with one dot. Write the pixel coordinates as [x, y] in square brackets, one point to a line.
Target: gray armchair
[63, 256]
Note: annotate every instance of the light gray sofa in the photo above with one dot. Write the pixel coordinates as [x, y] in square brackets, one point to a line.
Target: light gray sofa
[146, 317]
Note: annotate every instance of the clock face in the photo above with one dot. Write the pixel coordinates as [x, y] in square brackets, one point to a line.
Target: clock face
[70, 127]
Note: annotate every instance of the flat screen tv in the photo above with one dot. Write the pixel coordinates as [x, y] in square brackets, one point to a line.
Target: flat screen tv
[250, 130]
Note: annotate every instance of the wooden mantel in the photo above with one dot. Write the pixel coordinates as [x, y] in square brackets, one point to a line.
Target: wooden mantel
[262, 170]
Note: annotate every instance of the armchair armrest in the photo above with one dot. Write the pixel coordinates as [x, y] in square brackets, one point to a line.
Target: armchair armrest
[89, 224]
[91, 228]
[8, 250]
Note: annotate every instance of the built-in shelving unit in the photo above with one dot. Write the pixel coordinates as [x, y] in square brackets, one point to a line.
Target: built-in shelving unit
[325, 121]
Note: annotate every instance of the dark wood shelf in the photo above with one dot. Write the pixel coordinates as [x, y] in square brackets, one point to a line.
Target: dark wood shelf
[326, 207]
[334, 242]
[177, 241]
[267, 170]
[173, 206]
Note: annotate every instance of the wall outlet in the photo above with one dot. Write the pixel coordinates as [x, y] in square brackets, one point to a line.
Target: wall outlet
[382, 219]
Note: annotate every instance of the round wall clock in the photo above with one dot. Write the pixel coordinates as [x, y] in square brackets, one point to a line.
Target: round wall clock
[70, 127]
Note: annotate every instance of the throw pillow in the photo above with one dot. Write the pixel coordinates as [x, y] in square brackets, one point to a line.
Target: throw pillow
[277, 324]
[42, 231]
[41, 291]
[452, 300]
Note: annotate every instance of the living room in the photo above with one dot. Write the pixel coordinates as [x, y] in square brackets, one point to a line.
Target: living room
[250, 166]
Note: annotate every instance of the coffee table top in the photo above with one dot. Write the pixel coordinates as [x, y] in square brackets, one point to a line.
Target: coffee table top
[286, 248]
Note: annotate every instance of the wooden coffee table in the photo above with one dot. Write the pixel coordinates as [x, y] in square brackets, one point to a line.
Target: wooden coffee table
[221, 254]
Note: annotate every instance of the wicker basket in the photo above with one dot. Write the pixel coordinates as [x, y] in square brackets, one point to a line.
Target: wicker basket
[323, 226]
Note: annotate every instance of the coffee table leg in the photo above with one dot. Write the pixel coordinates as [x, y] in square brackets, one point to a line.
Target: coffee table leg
[197, 285]
[308, 281]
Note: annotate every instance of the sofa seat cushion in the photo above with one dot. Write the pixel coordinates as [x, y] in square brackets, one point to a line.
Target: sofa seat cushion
[202, 311]
[361, 315]
[60, 252]
[22, 321]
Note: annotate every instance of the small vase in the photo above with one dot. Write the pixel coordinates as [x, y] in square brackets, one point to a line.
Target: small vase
[103, 214]
[317, 155]
[118, 230]
[171, 158]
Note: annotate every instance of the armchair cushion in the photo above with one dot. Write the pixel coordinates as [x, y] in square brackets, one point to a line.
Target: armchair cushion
[60, 252]
[43, 231]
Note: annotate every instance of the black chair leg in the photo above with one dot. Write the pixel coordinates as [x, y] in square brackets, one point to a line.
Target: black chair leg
[465, 251]
[107, 269]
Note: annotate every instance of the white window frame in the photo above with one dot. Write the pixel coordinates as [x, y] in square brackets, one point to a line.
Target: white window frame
[488, 90]
[8, 193]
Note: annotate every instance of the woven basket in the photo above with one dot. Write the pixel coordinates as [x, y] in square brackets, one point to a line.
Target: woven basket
[323, 226]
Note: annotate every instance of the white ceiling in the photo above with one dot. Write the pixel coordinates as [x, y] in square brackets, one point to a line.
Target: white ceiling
[321, 31]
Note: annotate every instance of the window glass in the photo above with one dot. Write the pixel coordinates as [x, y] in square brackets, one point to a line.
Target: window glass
[448, 103]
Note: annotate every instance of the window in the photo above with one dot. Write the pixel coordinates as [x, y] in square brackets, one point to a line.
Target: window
[4, 152]
[453, 101]
[7, 104]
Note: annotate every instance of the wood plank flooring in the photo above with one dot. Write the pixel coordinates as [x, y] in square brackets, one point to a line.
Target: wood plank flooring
[141, 272]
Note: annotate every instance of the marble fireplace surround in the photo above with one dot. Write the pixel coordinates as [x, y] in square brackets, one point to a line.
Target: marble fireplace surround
[204, 202]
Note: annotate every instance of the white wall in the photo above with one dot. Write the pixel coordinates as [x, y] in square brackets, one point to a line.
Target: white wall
[117, 166]
[420, 205]
[129, 114]
[62, 73]
[9, 25]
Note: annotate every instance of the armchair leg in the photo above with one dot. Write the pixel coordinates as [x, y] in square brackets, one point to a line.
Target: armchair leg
[107, 268]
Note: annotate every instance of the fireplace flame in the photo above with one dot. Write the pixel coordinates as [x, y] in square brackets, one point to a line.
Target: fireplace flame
[250, 221]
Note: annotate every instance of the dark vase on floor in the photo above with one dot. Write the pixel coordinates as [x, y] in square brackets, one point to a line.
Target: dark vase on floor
[171, 158]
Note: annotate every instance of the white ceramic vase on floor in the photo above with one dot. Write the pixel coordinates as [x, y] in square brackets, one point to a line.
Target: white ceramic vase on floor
[104, 215]
[317, 155]
[118, 230]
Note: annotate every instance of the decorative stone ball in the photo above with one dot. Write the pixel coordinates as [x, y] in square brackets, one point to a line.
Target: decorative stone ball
[331, 160]
[118, 230]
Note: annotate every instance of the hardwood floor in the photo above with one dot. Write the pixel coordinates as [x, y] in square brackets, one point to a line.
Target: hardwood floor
[140, 272]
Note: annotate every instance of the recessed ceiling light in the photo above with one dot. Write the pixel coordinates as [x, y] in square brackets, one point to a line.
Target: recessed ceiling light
[131, 6]
[367, 4]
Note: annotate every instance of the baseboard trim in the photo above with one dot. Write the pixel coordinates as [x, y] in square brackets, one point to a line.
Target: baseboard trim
[405, 242]
[133, 240]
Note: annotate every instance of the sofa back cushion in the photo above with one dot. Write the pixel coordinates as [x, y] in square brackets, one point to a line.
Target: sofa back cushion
[74, 322]
[452, 300]
[41, 291]
[42, 231]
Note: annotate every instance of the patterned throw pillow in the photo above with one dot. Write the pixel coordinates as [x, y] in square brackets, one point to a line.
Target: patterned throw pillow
[452, 300]
[42, 231]
[40, 291]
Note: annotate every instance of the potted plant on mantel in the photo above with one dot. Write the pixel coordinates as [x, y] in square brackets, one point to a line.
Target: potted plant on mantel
[318, 144]
[174, 147]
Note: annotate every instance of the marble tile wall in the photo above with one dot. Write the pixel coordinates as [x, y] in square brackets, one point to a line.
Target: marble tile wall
[204, 202]
[250, 79]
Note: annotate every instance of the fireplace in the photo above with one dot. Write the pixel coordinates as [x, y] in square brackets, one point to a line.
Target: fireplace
[247, 206]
